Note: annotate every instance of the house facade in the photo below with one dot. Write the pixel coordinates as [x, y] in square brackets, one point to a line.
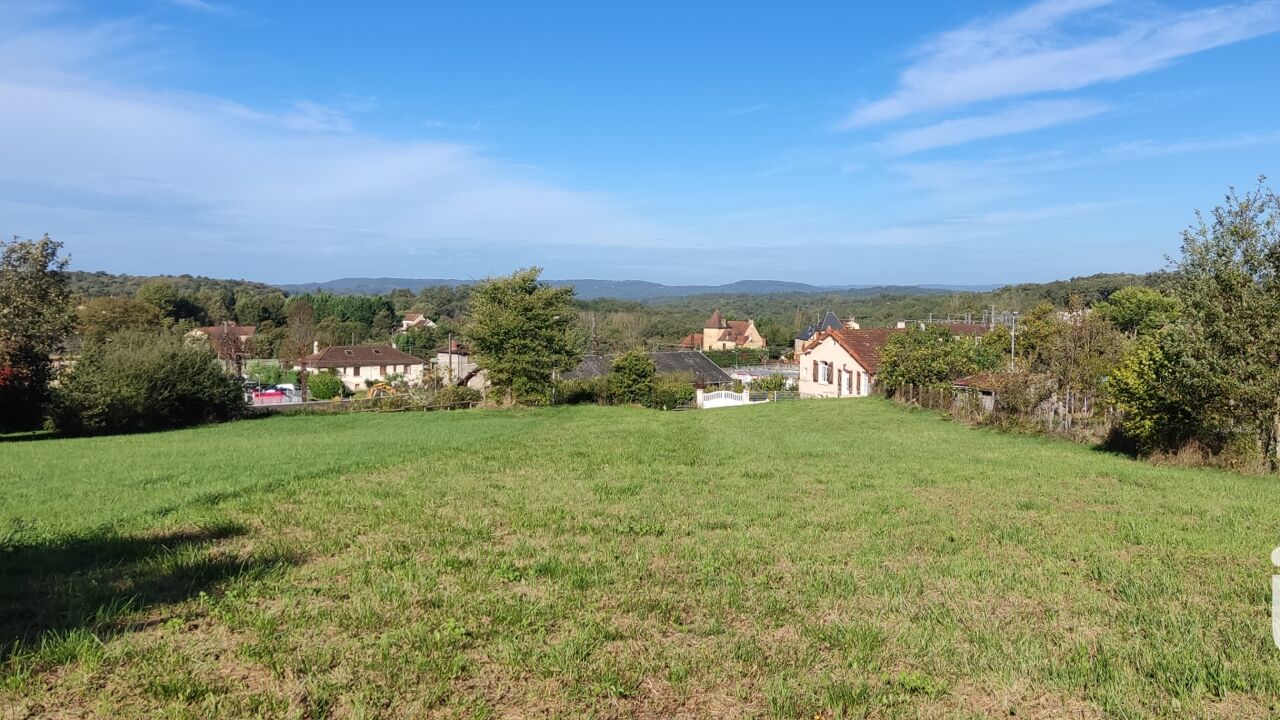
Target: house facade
[841, 363]
[454, 364]
[415, 320]
[357, 364]
[720, 334]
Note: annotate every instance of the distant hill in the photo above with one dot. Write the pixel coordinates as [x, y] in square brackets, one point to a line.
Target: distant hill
[101, 284]
[588, 289]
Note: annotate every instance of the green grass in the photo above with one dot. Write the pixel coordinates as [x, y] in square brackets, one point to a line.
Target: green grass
[847, 559]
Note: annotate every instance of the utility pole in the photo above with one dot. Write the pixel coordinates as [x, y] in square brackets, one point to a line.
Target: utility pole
[1013, 339]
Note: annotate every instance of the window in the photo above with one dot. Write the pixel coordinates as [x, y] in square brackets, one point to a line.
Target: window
[382, 370]
[859, 383]
[848, 381]
[815, 371]
[355, 371]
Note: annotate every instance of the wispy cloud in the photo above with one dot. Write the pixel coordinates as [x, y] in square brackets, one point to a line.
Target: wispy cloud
[98, 161]
[748, 109]
[1016, 119]
[1037, 50]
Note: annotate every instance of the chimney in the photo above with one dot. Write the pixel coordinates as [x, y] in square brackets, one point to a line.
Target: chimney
[315, 346]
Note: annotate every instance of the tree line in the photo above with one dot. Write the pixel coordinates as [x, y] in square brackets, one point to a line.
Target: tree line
[1186, 363]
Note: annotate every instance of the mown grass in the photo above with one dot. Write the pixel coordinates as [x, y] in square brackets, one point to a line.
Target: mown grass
[841, 558]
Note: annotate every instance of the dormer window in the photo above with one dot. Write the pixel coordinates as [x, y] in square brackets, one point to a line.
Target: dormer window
[348, 352]
[377, 352]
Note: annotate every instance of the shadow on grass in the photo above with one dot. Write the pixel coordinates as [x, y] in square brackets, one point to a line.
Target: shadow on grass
[90, 583]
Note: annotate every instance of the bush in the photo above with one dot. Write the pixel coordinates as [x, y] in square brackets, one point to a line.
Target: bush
[456, 395]
[671, 391]
[586, 390]
[324, 386]
[771, 383]
[141, 383]
[631, 379]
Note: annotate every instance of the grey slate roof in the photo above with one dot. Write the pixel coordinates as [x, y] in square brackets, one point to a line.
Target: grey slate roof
[830, 322]
[700, 366]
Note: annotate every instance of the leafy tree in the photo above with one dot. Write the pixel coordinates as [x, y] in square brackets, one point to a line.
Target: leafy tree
[144, 382]
[171, 302]
[301, 321]
[420, 341]
[324, 386]
[1158, 393]
[100, 318]
[1228, 285]
[35, 319]
[1138, 310]
[518, 329]
[925, 356]
[631, 378]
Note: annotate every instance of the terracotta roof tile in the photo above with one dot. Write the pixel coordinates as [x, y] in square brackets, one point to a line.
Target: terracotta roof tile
[336, 356]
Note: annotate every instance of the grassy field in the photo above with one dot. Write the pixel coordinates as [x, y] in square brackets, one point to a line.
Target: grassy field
[842, 559]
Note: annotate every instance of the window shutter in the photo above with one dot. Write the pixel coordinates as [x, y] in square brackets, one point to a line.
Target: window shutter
[815, 371]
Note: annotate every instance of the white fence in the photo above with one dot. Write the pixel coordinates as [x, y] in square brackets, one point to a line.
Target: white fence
[729, 398]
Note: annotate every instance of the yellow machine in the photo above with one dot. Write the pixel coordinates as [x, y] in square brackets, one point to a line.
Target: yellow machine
[382, 390]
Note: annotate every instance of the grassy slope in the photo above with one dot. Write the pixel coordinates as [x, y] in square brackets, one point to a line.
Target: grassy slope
[778, 560]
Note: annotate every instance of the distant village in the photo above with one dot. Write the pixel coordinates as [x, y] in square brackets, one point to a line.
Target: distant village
[830, 358]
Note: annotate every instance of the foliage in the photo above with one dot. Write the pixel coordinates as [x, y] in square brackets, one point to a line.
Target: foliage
[771, 383]
[1228, 285]
[421, 341]
[324, 385]
[141, 383]
[171, 302]
[1138, 310]
[672, 390]
[270, 373]
[631, 378]
[926, 356]
[456, 395]
[1158, 394]
[35, 319]
[518, 330]
[361, 310]
[584, 390]
[101, 317]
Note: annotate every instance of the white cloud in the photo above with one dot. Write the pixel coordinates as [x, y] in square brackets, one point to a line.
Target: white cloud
[1016, 119]
[104, 163]
[1037, 51]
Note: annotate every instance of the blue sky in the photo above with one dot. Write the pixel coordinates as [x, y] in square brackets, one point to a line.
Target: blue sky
[833, 143]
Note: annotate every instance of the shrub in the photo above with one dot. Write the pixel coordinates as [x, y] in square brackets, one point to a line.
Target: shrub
[141, 383]
[324, 386]
[670, 391]
[586, 390]
[771, 383]
[457, 395]
[631, 379]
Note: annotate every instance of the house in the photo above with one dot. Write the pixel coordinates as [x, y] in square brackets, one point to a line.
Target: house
[705, 373]
[355, 364]
[720, 334]
[842, 362]
[828, 322]
[415, 320]
[454, 363]
[232, 343]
